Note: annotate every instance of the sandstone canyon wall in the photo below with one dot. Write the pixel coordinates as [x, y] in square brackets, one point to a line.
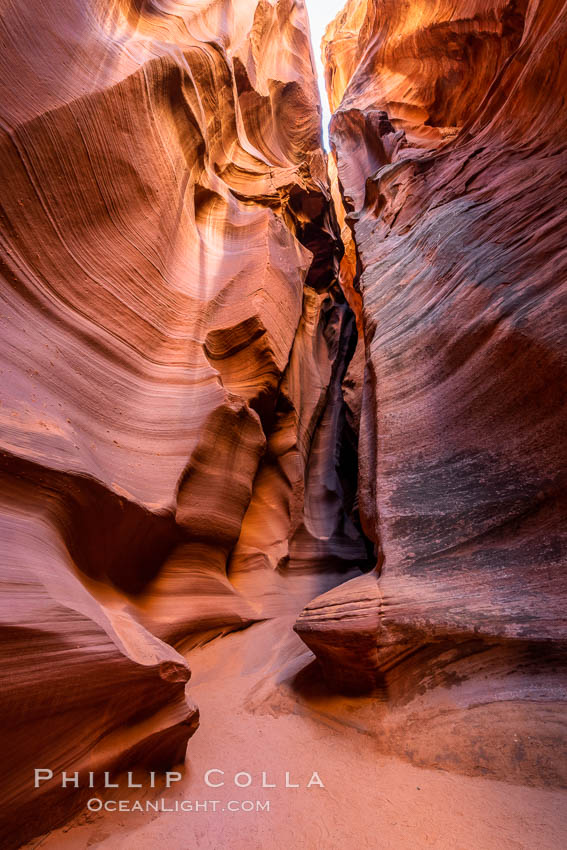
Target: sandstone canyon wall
[174, 438]
[448, 139]
[235, 379]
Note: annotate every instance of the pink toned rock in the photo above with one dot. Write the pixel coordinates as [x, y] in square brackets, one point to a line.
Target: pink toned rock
[173, 346]
[449, 142]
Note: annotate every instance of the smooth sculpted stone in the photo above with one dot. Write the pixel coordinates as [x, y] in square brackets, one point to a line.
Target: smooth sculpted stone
[176, 451]
[83, 687]
[342, 628]
[449, 144]
[427, 63]
[452, 700]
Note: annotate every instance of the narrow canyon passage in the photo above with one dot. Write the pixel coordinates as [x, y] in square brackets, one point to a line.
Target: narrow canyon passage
[283, 425]
[257, 716]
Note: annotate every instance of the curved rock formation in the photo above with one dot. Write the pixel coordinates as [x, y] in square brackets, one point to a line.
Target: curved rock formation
[449, 142]
[427, 63]
[174, 340]
[83, 687]
[235, 379]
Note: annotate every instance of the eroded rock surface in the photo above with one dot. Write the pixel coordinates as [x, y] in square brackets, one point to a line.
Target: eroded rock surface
[174, 437]
[223, 395]
[449, 142]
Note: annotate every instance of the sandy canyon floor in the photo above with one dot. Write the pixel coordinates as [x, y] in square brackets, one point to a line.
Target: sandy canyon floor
[255, 718]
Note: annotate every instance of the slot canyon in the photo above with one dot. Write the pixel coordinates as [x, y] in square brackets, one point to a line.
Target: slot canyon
[283, 425]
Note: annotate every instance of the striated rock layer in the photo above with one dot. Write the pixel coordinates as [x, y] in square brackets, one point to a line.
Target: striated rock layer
[449, 143]
[194, 437]
[176, 452]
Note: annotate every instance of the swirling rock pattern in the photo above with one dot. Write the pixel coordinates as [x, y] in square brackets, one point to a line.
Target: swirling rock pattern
[449, 142]
[185, 393]
[174, 438]
[84, 687]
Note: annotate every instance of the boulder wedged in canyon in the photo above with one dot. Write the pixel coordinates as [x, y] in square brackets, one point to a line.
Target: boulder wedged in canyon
[173, 349]
[449, 142]
[343, 628]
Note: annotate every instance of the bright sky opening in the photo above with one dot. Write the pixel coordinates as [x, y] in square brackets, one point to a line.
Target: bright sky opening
[321, 13]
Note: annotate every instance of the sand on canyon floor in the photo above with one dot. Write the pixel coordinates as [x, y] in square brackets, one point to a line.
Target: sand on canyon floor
[253, 722]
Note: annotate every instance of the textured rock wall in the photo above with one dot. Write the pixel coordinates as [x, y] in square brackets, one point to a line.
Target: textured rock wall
[175, 446]
[185, 396]
[449, 142]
